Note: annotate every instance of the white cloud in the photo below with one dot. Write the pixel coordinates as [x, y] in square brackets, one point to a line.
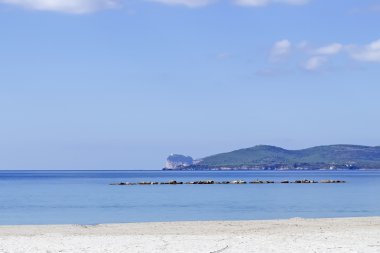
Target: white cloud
[187, 3]
[257, 3]
[314, 63]
[67, 6]
[280, 49]
[318, 57]
[367, 53]
[252, 2]
[198, 3]
[86, 6]
[329, 49]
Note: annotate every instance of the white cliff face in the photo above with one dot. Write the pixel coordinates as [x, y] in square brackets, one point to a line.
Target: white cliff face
[175, 161]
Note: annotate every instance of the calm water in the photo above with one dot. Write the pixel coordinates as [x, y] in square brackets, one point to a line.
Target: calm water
[85, 197]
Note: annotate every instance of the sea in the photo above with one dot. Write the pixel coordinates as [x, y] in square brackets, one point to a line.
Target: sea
[86, 197]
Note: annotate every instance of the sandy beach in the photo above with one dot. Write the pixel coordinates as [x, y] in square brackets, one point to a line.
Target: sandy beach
[294, 235]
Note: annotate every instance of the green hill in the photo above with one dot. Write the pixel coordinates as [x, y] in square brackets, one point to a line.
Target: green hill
[270, 157]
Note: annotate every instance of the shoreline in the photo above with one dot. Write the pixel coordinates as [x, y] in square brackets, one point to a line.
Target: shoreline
[296, 235]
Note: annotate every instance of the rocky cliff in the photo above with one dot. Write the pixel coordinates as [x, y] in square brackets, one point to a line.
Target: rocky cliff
[176, 161]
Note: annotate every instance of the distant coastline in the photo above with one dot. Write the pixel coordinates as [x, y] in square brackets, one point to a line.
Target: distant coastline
[265, 157]
[198, 168]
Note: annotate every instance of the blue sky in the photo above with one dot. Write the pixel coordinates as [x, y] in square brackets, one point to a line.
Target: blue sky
[104, 84]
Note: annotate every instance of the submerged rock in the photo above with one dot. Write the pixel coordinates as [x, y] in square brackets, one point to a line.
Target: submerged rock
[175, 182]
[238, 182]
[333, 181]
[305, 181]
[202, 182]
[145, 183]
[262, 182]
[123, 183]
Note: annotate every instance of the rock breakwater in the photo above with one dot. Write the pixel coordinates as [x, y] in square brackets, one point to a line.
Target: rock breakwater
[175, 182]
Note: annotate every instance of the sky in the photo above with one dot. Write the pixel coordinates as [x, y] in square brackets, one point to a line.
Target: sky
[121, 84]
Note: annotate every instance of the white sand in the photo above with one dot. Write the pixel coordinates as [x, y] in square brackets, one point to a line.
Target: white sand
[294, 235]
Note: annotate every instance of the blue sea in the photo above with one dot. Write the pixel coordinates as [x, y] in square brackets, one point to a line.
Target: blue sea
[85, 197]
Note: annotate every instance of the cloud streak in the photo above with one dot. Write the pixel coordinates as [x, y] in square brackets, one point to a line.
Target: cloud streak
[314, 59]
[88, 6]
[65, 6]
[279, 50]
[314, 63]
[331, 49]
[187, 3]
[258, 3]
[367, 53]
[245, 3]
